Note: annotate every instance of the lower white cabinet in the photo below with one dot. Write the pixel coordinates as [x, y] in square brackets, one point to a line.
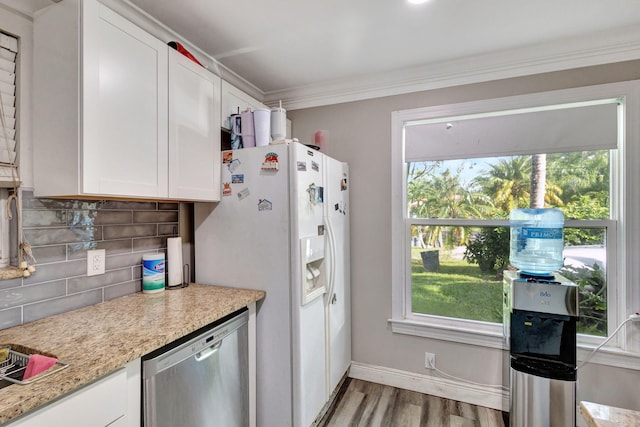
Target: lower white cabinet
[110, 401]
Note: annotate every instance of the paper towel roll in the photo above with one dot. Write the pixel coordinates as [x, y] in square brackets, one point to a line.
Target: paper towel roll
[174, 261]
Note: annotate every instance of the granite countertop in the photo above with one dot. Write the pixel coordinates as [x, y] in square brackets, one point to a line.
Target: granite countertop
[102, 338]
[597, 415]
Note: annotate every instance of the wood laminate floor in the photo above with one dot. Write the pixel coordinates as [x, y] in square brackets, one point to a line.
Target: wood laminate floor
[364, 404]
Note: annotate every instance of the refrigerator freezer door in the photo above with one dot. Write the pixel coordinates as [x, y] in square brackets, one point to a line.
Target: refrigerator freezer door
[309, 355]
[308, 188]
[273, 196]
[338, 297]
[239, 245]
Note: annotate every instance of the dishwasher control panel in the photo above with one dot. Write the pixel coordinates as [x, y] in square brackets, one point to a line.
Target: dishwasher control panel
[175, 353]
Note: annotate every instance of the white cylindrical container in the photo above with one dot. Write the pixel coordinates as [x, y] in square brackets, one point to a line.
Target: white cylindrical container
[536, 240]
[153, 273]
[174, 261]
[278, 123]
[262, 126]
[247, 130]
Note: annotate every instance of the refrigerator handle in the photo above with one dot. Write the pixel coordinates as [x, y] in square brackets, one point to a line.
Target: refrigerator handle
[329, 297]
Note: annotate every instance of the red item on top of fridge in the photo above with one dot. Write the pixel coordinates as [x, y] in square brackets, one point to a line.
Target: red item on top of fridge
[178, 46]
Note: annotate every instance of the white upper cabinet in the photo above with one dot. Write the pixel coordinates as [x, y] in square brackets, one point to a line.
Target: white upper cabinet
[194, 130]
[234, 100]
[124, 104]
[101, 111]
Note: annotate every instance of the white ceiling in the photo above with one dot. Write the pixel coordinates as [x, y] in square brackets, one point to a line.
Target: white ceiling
[282, 44]
[288, 48]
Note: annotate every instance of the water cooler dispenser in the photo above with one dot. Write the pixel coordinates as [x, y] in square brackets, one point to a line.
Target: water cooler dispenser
[540, 317]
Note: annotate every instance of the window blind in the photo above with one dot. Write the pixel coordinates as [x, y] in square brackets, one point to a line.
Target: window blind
[563, 128]
[8, 54]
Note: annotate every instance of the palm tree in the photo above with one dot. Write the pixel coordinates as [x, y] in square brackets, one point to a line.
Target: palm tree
[581, 174]
[448, 197]
[519, 182]
[418, 176]
[538, 180]
[508, 183]
[543, 192]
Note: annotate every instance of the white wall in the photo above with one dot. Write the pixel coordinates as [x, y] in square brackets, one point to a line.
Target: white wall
[360, 133]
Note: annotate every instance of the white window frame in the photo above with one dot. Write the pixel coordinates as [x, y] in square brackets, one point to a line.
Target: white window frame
[5, 247]
[18, 25]
[623, 271]
[11, 44]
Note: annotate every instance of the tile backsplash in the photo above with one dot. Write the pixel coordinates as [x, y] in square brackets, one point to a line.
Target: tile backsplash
[61, 231]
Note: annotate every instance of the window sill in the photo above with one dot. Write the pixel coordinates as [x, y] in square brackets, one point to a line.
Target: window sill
[453, 333]
[488, 338]
[609, 357]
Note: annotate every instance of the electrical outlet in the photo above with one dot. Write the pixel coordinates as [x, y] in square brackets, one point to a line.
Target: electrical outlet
[95, 262]
[430, 361]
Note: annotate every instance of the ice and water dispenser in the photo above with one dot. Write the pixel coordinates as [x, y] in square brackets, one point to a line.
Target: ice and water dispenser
[313, 268]
[540, 318]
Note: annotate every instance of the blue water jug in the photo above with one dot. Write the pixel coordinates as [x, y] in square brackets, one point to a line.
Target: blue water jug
[536, 240]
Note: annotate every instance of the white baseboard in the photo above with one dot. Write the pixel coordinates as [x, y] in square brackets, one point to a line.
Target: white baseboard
[487, 396]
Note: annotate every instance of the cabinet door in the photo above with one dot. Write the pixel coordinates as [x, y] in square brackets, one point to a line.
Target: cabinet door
[99, 404]
[124, 107]
[235, 100]
[194, 131]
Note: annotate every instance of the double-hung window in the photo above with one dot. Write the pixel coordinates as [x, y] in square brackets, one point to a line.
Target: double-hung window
[458, 171]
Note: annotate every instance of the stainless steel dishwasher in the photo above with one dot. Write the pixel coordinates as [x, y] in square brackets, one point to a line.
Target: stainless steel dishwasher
[201, 380]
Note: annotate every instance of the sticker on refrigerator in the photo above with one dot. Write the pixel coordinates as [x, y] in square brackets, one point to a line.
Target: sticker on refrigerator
[302, 166]
[233, 165]
[243, 194]
[270, 162]
[237, 178]
[226, 189]
[227, 156]
[343, 184]
[264, 205]
[315, 166]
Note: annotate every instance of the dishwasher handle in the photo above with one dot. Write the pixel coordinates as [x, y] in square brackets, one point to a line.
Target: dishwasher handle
[208, 352]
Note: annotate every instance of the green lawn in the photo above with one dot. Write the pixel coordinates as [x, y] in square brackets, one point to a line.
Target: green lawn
[458, 289]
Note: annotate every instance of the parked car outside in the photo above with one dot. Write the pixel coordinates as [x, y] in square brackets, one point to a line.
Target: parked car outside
[585, 256]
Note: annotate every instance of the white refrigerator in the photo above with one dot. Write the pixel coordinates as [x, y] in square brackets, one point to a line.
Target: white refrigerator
[282, 226]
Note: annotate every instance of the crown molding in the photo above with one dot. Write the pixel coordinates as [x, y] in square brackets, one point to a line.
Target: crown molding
[622, 44]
